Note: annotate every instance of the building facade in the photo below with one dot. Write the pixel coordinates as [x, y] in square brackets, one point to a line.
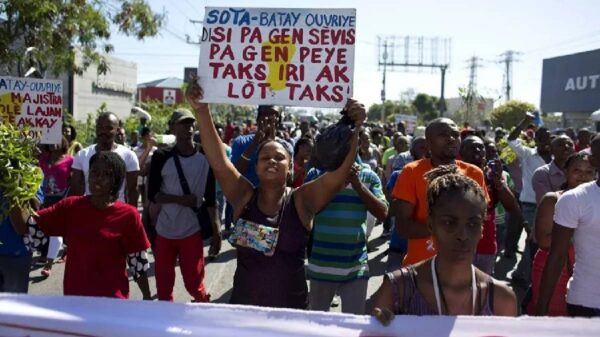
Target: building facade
[165, 90]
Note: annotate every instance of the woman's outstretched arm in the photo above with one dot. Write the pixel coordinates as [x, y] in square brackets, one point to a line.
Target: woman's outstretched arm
[236, 187]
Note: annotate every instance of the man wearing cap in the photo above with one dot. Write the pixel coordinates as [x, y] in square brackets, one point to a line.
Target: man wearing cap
[177, 227]
[243, 148]
[107, 126]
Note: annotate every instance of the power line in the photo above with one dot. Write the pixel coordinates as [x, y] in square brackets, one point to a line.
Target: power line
[175, 34]
[194, 8]
[565, 42]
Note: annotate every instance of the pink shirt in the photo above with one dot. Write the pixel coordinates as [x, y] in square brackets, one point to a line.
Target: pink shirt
[56, 176]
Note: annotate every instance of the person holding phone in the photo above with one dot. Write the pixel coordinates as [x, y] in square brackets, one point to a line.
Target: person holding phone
[472, 151]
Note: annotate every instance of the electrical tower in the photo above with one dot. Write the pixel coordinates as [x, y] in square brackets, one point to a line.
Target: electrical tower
[415, 52]
[474, 63]
[470, 99]
[508, 58]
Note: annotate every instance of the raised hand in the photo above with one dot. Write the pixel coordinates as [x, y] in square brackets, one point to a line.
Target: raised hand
[356, 112]
[194, 93]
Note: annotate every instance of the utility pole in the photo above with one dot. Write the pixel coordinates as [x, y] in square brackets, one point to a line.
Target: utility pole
[385, 56]
[188, 39]
[508, 58]
[442, 103]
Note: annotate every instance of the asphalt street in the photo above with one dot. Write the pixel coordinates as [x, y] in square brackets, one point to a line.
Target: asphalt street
[219, 274]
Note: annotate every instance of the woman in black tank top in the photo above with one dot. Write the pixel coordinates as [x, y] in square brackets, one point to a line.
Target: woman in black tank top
[274, 278]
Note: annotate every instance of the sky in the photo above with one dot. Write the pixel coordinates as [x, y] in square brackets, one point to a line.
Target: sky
[537, 29]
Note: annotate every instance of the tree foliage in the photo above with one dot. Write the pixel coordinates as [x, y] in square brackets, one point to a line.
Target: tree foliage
[426, 106]
[20, 175]
[56, 28]
[391, 108]
[510, 113]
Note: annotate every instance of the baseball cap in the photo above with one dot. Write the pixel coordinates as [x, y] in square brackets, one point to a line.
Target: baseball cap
[180, 115]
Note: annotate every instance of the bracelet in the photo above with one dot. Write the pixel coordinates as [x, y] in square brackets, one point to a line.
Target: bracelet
[245, 158]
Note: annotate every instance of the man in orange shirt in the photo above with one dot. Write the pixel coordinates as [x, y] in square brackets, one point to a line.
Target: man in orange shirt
[410, 191]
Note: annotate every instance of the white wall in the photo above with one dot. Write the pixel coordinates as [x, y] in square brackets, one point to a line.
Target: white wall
[116, 89]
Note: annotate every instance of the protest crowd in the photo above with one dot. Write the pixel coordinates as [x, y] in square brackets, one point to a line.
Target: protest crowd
[299, 208]
[299, 201]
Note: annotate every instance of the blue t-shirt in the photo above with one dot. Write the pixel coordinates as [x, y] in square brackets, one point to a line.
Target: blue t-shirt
[397, 243]
[11, 243]
[238, 146]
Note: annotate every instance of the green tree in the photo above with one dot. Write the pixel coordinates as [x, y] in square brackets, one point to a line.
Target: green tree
[56, 28]
[391, 108]
[510, 113]
[426, 106]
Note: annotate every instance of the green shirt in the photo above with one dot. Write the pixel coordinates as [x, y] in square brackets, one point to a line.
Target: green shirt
[387, 154]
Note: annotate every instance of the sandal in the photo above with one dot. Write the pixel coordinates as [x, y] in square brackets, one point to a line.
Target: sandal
[46, 271]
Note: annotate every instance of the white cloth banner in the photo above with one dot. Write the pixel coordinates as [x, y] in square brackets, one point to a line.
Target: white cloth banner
[287, 56]
[33, 103]
[41, 316]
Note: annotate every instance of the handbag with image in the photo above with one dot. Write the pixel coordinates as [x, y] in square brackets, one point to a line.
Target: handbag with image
[255, 236]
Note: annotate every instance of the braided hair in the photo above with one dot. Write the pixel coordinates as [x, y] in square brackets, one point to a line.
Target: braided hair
[446, 178]
[117, 167]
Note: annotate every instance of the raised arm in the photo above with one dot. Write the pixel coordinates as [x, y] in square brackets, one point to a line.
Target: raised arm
[514, 134]
[235, 187]
[313, 197]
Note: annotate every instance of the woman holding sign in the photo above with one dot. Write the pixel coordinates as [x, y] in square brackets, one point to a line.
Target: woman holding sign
[274, 221]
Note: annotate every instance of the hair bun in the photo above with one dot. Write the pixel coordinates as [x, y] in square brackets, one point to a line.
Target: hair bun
[441, 171]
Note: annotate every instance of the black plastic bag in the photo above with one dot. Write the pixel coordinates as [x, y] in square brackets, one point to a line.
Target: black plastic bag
[332, 145]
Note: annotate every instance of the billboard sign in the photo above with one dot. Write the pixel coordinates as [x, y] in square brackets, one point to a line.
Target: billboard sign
[571, 83]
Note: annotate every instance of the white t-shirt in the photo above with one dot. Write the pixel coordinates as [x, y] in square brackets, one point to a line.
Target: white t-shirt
[139, 151]
[530, 161]
[81, 162]
[578, 209]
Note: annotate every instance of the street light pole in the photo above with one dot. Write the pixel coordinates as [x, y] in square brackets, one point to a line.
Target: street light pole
[385, 55]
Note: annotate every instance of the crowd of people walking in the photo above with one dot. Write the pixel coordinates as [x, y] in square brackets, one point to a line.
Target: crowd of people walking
[450, 207]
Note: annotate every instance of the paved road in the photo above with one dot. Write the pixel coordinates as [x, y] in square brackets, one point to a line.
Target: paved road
[219, 274]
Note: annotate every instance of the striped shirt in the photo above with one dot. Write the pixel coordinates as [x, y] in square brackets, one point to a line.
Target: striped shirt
[339, 250]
